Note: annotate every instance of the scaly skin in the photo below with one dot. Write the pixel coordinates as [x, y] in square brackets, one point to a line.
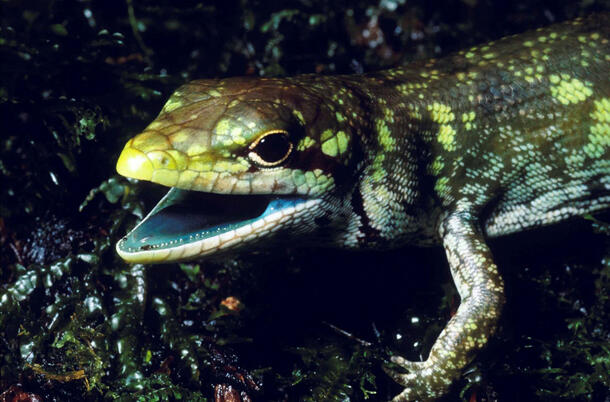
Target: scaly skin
[492, 140]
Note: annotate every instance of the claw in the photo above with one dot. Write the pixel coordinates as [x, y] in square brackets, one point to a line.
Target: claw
[419, 381]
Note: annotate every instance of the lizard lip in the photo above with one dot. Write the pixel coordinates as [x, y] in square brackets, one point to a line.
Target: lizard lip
[186, 223]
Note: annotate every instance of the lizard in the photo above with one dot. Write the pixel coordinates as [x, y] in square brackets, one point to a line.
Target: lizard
[495, 139]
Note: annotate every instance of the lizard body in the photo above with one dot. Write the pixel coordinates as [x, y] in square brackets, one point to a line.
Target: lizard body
[496, 139]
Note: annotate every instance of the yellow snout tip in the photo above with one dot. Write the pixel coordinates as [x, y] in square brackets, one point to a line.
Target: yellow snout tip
[135, 164]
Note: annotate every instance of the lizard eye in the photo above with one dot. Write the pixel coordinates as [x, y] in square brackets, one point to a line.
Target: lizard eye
[271, 149]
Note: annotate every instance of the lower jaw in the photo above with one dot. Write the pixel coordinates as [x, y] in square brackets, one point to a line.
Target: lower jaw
[186, 225]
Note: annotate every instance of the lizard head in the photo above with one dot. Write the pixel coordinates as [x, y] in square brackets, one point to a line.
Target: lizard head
[246, 159]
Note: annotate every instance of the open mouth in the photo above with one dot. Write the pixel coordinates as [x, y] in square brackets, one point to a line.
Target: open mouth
[190, 223]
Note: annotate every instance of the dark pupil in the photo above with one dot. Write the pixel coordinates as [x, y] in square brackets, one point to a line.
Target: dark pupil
[273, 147]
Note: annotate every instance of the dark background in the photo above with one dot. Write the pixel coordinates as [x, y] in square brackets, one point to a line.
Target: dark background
[79, 78]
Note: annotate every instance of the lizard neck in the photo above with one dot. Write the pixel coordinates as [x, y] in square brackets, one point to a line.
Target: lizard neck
[392, 200]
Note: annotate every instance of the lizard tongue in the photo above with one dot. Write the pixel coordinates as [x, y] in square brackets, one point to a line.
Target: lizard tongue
[182, 214]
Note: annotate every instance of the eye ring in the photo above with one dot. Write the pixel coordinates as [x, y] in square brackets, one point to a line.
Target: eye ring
[275, 147]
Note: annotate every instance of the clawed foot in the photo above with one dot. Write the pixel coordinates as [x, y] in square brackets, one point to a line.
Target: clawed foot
[422, 382]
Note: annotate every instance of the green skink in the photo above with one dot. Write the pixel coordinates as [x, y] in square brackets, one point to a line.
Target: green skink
[496, 139]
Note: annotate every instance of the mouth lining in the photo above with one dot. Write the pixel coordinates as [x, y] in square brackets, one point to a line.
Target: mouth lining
[182, 217]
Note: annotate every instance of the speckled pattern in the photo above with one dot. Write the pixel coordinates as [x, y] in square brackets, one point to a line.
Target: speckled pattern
[492, 140]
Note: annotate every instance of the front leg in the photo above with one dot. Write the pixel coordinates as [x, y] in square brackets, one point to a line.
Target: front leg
[481, 291]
